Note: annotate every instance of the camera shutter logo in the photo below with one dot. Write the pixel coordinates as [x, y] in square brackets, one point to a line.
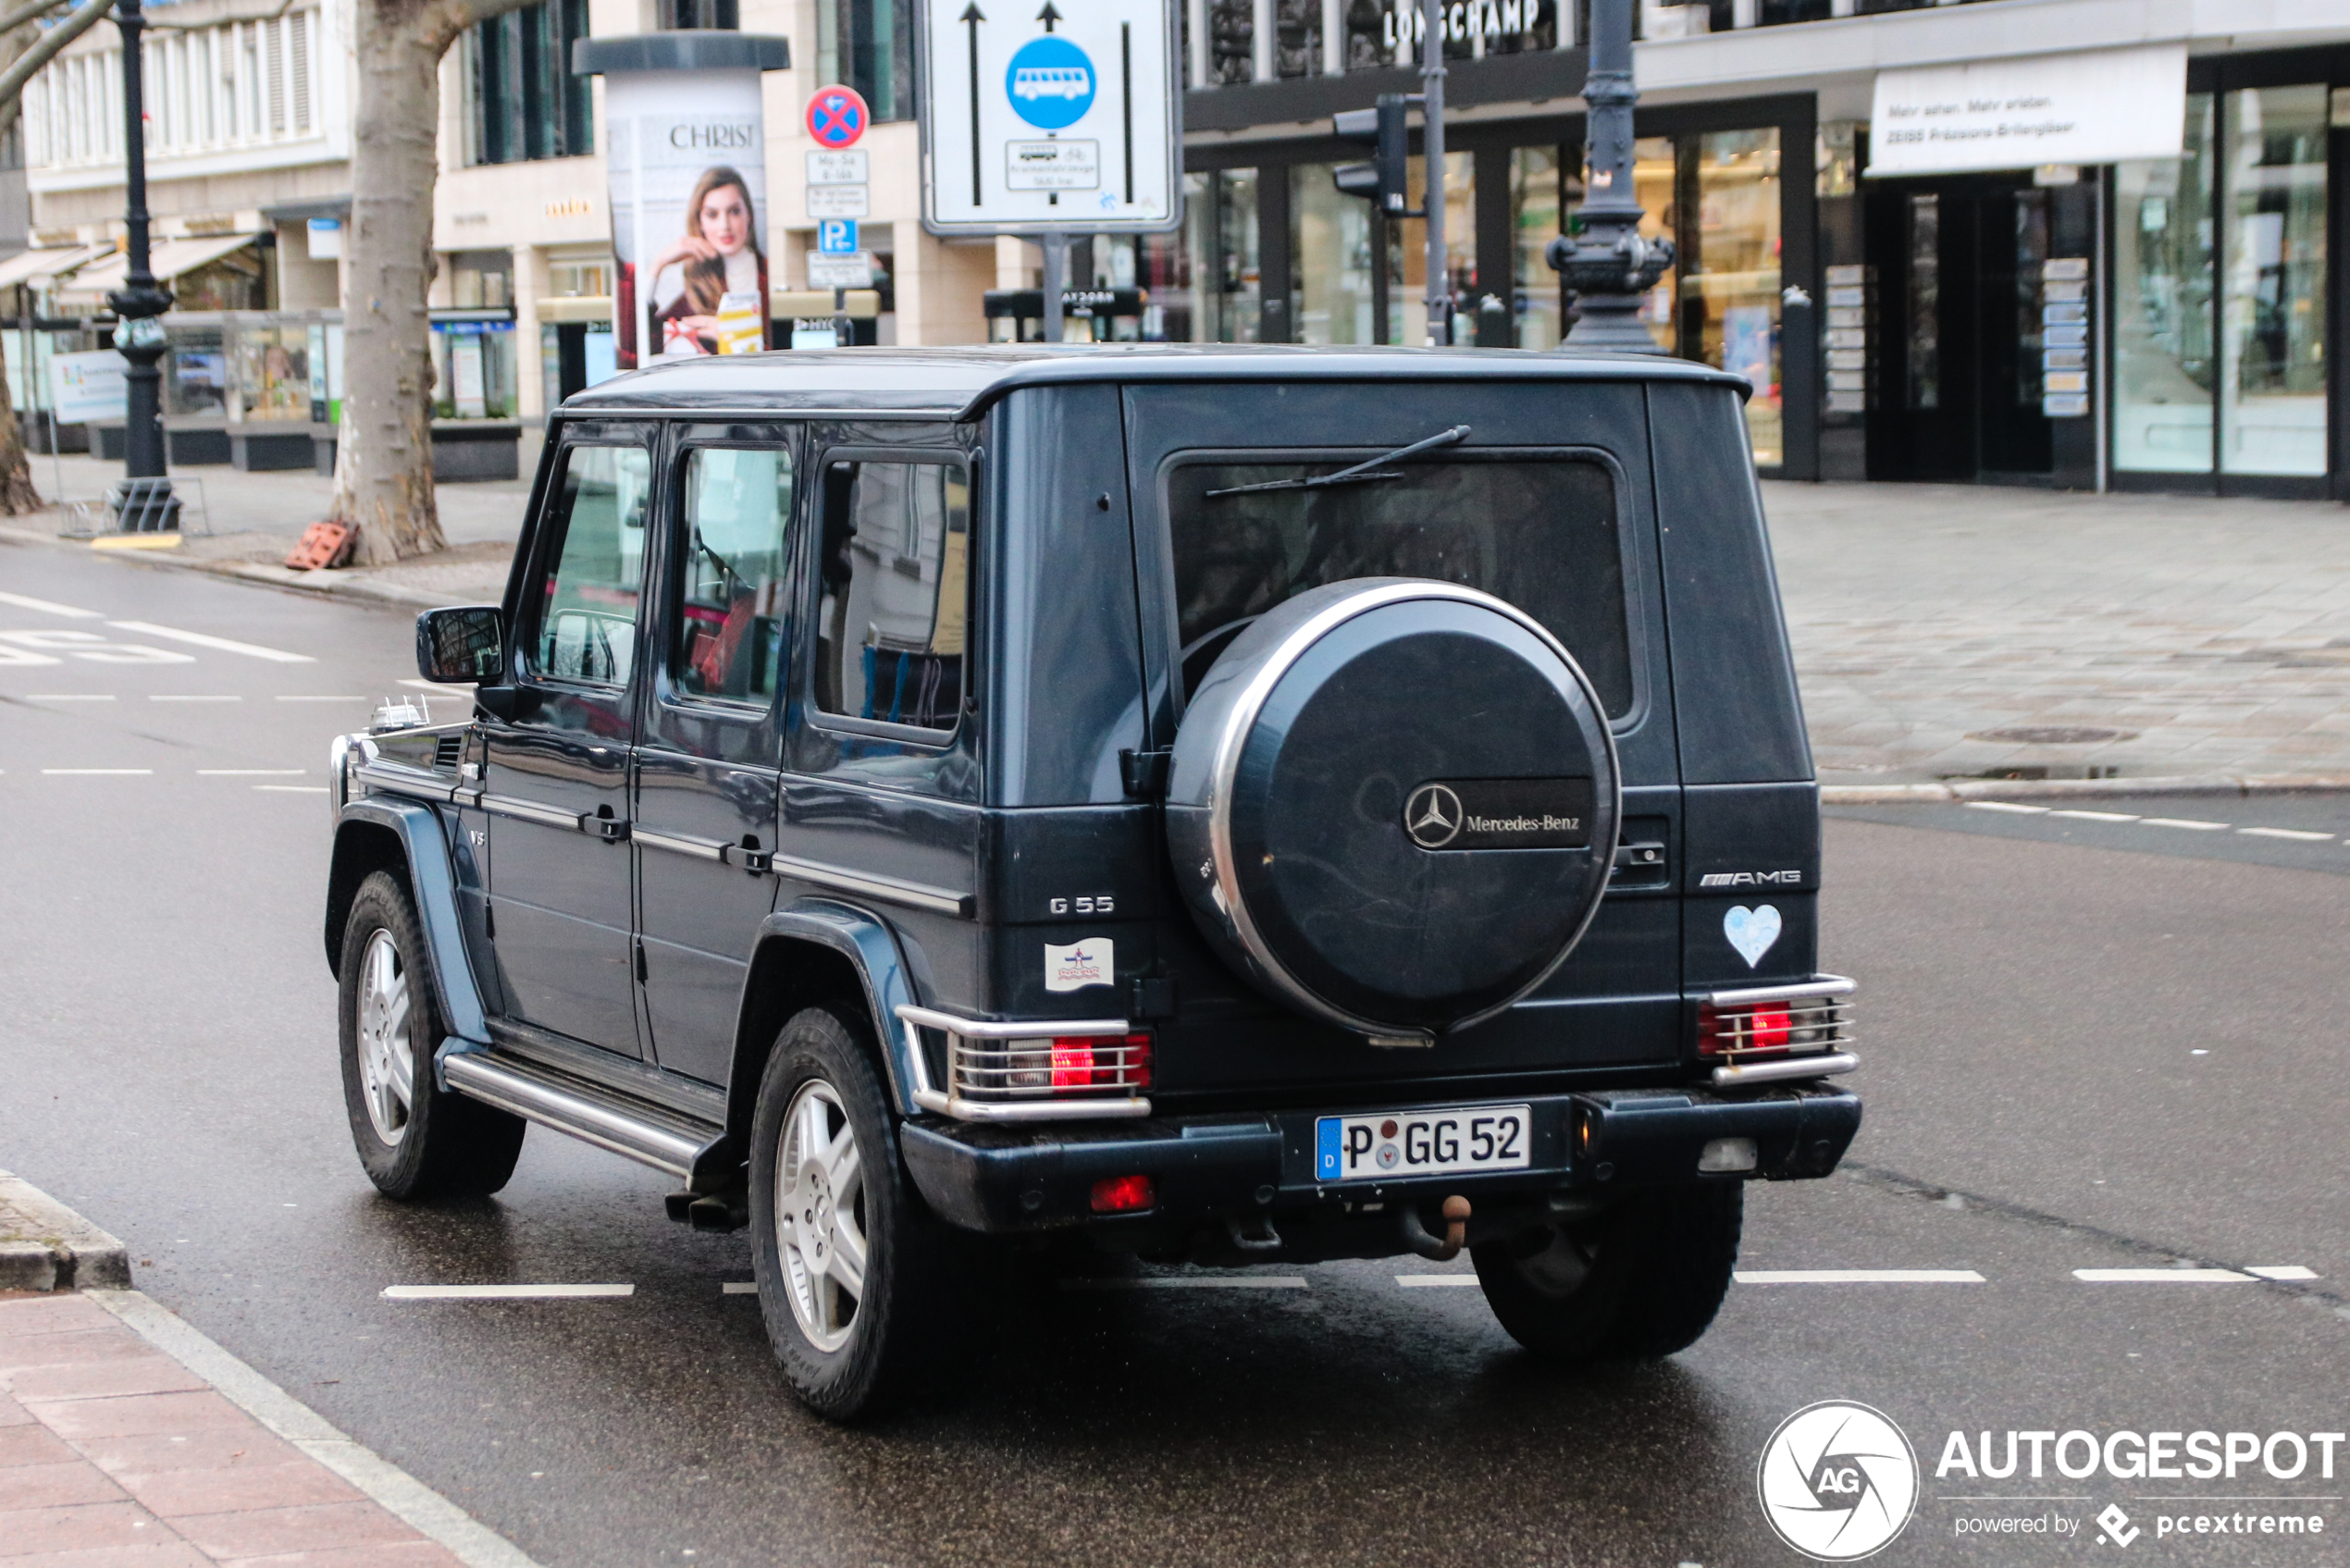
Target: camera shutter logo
[1432, 816]
[1838, 1481]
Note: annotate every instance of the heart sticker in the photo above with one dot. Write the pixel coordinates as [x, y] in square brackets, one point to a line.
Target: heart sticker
[1751, 931]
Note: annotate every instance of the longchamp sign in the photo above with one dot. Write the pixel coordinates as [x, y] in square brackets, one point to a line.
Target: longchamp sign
[2096, 106]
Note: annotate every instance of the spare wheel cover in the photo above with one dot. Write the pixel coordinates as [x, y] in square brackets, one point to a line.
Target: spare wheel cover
[1292, 773]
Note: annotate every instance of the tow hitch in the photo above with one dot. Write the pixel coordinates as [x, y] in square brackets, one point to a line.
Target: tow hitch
[1415, 1234]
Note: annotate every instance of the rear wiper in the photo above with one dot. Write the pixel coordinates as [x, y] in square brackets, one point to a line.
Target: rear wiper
[1360, 473]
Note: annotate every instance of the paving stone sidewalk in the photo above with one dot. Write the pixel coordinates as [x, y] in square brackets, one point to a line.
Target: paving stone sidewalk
[114, 1454]
[2213, 634]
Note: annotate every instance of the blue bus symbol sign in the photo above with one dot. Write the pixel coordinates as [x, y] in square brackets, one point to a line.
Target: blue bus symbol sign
[1050, 82]
[837, 237]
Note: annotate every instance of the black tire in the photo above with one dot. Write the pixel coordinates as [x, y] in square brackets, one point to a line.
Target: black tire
[435, 1144]
[1642, 1279]
[849, 1353]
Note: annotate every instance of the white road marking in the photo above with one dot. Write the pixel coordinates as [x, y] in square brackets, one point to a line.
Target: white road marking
[1858, 1277]
[96, 773]
[294, 789]
[68, 696]
[1193, 1282]
[2190, 823]
[501, 1292]
[407, 1498]
[739, 1287]
[225, 644]
[49, 607]
[2299, 834]
[2098, 815]
[307, 696]
[1435, 1281]
[2281, 1271]
[250, 772]
[2007, 806]
[2160, 1277]
[158, 697]
[434, 685]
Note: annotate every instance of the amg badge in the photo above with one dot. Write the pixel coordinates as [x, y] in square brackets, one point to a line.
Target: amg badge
[1752, 879]
[1500, 814]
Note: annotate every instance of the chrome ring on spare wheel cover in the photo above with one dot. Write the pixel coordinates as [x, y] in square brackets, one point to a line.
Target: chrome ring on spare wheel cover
[819, 1215]
[387, 1060]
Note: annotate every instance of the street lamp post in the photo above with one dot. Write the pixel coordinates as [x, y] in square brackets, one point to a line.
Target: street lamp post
[1609, 266]
[140, 299]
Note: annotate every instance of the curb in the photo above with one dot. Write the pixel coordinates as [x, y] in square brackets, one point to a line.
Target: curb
[46, 1246]
[2026, 789]
[319, 585]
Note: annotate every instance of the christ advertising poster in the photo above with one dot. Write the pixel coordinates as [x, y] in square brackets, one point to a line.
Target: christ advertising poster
[688, 169]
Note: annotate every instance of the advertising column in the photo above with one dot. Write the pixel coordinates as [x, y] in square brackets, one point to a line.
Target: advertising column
[686, 145]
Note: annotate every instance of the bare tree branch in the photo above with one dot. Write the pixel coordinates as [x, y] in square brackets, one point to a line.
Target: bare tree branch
[29, 64]
[152, 20]
[23, 14]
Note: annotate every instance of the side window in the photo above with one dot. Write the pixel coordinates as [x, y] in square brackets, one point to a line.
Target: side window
[896, 569]
[727, 637]
[586, 626]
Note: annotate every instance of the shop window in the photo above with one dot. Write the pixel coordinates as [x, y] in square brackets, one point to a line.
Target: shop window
[1776, 13]
[195, 373]
[699, 16]
[869, 44]
[1331, 271]
[2272, 273]
[1219, 230]
[273, 372]
[233, 282]
[2163, 353]
[1536, 204]
[473, 370]
[481, 280]
[580, 279]
[523, 101]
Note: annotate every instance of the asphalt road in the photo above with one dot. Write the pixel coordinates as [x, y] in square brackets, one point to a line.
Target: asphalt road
[2087, 1044]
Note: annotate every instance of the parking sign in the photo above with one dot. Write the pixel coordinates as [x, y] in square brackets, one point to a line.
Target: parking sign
[1036, 121]
[837, 237]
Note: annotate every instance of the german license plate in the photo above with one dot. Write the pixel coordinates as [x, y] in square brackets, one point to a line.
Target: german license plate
[1392, 1145]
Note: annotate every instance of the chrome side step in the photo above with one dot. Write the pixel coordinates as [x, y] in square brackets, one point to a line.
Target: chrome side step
[648, 1134]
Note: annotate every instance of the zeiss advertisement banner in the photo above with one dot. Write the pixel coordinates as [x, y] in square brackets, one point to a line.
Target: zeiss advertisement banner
[686, 151]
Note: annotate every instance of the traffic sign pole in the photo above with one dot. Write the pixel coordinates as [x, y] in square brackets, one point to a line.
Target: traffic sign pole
[1056, 280]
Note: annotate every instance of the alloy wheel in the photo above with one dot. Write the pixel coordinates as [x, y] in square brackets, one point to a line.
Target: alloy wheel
[387, 1060]
[819, 1215]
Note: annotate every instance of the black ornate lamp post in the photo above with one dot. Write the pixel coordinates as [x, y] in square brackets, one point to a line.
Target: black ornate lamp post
[1609, 266]
[141, 299]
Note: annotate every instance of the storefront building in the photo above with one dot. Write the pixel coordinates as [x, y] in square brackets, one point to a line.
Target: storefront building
[2156, 322]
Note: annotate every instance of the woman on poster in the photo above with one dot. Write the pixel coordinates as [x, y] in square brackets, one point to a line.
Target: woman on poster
[718, 257]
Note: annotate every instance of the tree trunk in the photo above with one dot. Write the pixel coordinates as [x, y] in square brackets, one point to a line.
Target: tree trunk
[17, 494]
[383, 460]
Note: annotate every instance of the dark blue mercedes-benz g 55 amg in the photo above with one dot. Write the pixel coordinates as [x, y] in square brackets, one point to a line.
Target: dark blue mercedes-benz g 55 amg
[1235, 803]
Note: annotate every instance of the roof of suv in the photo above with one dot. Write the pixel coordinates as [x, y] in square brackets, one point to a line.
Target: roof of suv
[962, 382]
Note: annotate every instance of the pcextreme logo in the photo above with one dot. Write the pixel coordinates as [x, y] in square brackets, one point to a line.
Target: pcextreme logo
[1838, 1481]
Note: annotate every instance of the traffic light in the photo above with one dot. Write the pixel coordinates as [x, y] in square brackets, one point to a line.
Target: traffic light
[1385, 180]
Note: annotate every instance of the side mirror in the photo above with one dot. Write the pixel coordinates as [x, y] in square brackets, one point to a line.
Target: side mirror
[464, 645]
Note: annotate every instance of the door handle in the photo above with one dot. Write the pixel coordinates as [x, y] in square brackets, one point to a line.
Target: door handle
[611, 830]
[757, 862]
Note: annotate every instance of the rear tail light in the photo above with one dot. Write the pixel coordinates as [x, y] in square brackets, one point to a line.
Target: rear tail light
[1124, 1194]
[1776, 1022]
[1074, 1065]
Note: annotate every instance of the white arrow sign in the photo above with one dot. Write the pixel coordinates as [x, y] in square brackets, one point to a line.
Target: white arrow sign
[1033, 120]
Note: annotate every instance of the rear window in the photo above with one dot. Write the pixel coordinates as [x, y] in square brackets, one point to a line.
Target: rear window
[1539, 533]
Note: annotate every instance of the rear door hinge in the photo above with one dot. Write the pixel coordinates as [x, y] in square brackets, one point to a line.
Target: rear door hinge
[1145, 774]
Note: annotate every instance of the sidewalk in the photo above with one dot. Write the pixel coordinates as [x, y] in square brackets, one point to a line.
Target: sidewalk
[2191, 636]
[117, 1453]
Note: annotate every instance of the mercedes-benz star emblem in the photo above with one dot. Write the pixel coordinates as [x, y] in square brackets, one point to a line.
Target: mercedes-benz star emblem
[1432, 816]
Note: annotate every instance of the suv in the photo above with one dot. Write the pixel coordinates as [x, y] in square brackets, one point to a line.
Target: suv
[1234, 803]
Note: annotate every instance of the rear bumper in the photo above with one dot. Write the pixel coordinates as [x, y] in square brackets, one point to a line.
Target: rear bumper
[1011, 1180]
